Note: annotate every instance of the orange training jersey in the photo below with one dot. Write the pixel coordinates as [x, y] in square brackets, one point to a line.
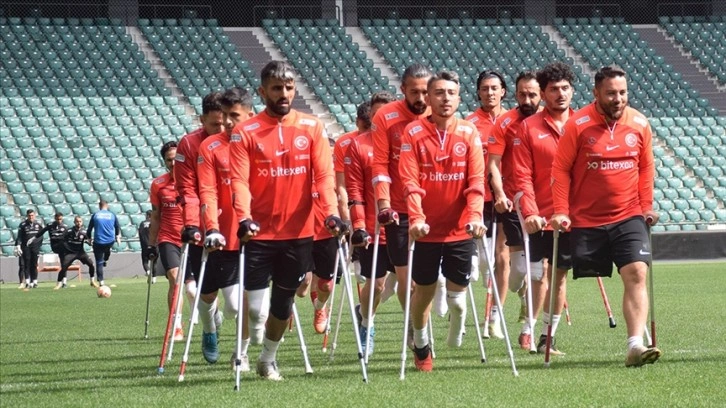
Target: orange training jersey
[603, 174]
[358, 175]
[443, 177]
[215, 190]
[341, 148]
[533, 150]
[500, 143]
[387, 128]
[185, 175]
[485, 125]
[163, 196]
[319, 215]
[274, 162]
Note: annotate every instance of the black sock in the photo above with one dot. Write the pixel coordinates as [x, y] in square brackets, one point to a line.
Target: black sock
[422, 353]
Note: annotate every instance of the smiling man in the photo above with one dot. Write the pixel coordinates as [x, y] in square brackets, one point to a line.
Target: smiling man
[602, 187]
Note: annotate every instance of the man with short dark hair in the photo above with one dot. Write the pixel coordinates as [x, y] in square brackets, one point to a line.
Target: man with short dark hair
[73, 249]
[143, 231]
[57, 231]
[105, 224]
[27, 246]
[275, 157]
[602, 188]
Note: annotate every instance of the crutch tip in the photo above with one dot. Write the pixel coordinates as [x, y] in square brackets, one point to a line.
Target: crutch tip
[325, 349]
[483, 360]
[160, 370]
[181, 378]
[546, 365]
[516, 373]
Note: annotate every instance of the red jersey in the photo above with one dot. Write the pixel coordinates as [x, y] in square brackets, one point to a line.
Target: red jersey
[319, 215]
[443, 177]
[387, 128]
[603, 174]
[163, 196]
[215, 190]
[485, 123]
[358, 174]
[341, 148]
[533, 150]
[185, 175]
[274, 162]
[500, 143]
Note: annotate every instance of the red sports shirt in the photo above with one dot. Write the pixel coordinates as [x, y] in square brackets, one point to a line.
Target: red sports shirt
[485, 123]
[534, 149]
[163, 196]
[215, 189]
[341, 148]
[388, 125]
[602, 175]
[443, 181]
[358, 175]
[274, 162]
[185, 175]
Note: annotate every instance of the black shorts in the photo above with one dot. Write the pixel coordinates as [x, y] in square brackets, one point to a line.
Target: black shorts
[221, 271]
[540, 247]
[284, 262]
[595, 249]
[489, 217]
[512, 228]
[383, 264]
[324, 256]
[397, 241]
[453, 257]
[169, 255]
[194, 262]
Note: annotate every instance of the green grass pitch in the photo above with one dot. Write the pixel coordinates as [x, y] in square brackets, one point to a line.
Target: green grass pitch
[70, 348]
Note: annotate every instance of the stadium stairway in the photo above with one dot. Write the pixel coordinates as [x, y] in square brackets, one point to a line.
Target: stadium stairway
[569, 51]
[378, 61]
[699, 79]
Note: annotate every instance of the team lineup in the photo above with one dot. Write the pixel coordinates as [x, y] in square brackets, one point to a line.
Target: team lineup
[264, 208]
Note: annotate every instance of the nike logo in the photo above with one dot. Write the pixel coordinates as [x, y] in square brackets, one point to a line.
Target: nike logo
[441, 158]
[280, 152]
[611, 148]
[643, 252]
[543, 135]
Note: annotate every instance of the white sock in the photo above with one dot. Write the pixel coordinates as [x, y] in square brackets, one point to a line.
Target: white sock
[555, 323]
[494, 316]
[64, 281]
[528, 326]
[421, 337]
[457, 316]
[245, 345]
[259, 309]
[635, 342]
[318, 304]
[364, 321]
[102, 283]
[269, 350]
[206, 315]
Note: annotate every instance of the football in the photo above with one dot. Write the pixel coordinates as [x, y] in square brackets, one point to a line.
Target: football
[104, 292]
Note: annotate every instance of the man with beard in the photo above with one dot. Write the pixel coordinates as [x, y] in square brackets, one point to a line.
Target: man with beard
[538, 137]
[57, 231]
[501, 169]
[387, 130]
[602, 187]
[275, 157]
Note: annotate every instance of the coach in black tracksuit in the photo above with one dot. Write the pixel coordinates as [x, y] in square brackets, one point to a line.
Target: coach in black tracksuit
[57, 232]
[29, 229]
[144, 242]
[73, 249]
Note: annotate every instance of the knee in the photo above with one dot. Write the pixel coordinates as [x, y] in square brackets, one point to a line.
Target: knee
[634, 274]
[380, 284]
[281, 302]
[325, 285]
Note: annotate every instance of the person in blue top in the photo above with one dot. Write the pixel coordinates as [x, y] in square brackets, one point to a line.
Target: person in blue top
[106, 228]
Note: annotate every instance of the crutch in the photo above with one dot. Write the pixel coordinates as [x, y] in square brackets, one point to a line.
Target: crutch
[172, 313]
[372, 285]
[488, 282]
[483, 248]
[476, 323]
[567, 313]
[338, 260]
[349, 291]
[649, 221]
[528, 268]
[407, 309]
[605, 300]
[301, 338]
[343, 298]
[555, 245]
[431, 337]
[179, 285]
[149, 274]
[240, 318]
[195, 312]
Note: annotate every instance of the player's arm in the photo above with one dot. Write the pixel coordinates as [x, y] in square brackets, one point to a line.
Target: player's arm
[523, 162]
[646, 172]
[20, 237]
[496, 148]
[381, 151]
[207, 176]
[354, 182]
[239, 160]
[323, 171]
[154, 222]
[408, 169]
[340, 186]
[561, 173]
[185, 179]
[475, 180]
[89, 231]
